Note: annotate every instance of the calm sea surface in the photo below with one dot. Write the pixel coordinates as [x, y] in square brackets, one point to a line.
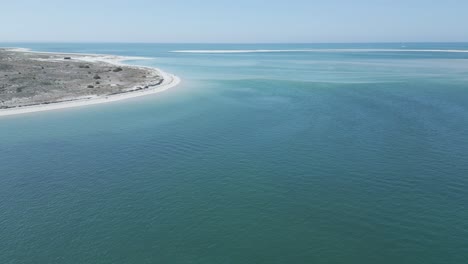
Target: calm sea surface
[358, 155]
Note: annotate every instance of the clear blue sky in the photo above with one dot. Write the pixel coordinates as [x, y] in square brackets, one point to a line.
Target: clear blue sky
[234, 21]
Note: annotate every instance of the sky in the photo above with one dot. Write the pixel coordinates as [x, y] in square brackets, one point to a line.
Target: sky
[236, 21]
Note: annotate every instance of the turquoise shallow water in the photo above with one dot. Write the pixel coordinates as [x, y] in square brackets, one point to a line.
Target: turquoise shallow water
[288, 157]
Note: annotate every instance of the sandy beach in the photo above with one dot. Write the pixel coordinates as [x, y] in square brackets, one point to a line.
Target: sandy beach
[123, 81]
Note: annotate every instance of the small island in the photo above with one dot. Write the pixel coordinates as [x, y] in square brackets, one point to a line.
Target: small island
[35, 81]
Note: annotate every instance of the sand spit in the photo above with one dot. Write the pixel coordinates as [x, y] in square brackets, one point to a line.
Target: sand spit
[41, 81]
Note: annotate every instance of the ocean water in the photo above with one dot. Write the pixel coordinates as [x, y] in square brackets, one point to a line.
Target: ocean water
[315, 153]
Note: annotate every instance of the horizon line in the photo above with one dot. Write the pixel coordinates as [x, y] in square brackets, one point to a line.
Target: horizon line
[237, 43]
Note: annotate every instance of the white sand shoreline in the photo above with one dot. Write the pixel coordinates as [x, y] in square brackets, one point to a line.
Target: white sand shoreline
[169, 81]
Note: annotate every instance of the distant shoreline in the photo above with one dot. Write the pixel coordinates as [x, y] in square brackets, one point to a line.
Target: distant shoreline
[317, 50]
[166, 82]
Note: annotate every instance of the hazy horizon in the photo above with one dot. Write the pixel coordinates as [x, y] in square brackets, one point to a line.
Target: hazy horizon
[242, 21]
[226, 43]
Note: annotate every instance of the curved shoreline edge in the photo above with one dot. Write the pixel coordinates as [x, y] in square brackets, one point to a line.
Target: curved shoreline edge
[169, 81]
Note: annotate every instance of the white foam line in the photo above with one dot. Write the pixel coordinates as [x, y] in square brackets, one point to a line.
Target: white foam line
[317, 50]
[169, 81]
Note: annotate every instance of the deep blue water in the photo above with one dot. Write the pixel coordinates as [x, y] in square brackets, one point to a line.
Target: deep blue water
[289, 157]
